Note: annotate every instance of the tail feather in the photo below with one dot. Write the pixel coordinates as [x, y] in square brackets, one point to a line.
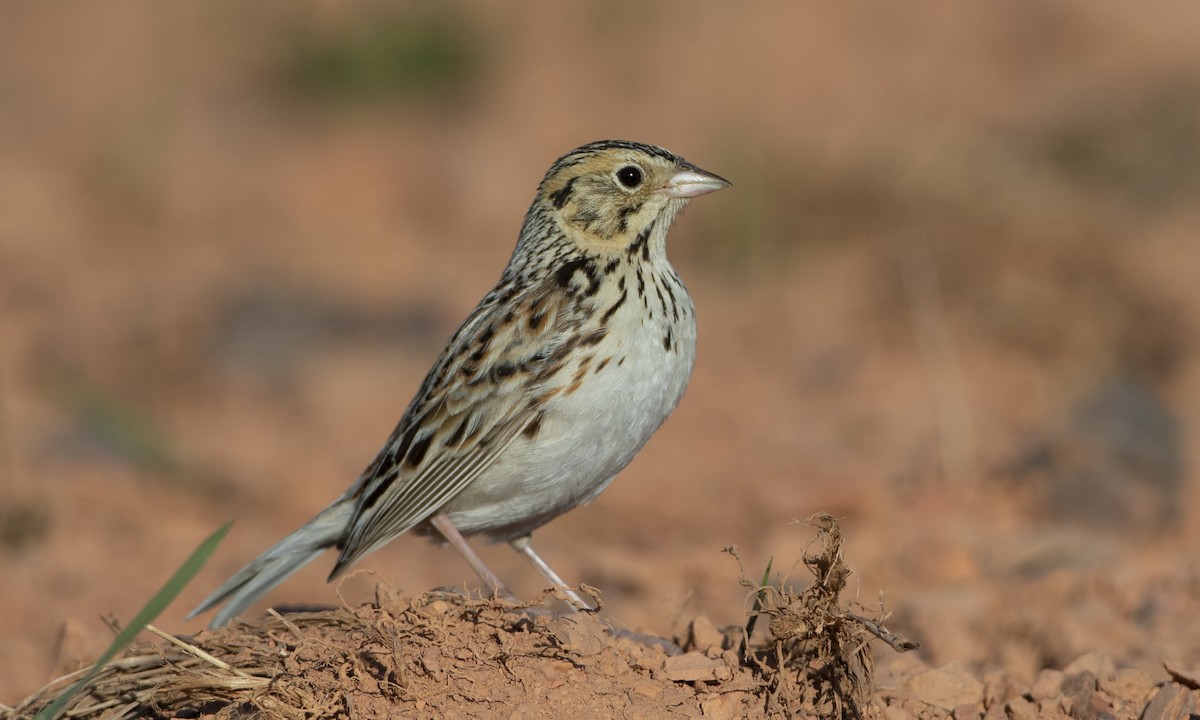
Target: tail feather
[275, 565]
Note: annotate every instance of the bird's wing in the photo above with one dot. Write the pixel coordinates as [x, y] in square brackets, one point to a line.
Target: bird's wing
[488, 386]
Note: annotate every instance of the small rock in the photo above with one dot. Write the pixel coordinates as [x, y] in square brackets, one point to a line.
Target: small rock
[997, 688]
[556, 672]
[726, 706]
[431, 660]
[649, 689]
[1129, 685]
[1187, 677]
[995, 711]
[968, 711]
[704, 636]
[1097, 664]
[1172, 702]
[1021, 709]
[947, 686]
[692, 667]
[1080, 682]
[1080, 699]
[577, 633]
[1048, 684]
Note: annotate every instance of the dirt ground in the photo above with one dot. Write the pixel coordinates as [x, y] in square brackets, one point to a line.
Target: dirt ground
[950, 301]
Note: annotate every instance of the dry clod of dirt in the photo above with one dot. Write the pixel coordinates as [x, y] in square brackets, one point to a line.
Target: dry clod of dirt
[447, 655]
[695, 667]
[1048, 684]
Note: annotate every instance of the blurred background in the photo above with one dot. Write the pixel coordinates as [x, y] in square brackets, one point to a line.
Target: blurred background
[951, 299]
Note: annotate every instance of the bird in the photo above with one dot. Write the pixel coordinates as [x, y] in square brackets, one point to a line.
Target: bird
[548, 389]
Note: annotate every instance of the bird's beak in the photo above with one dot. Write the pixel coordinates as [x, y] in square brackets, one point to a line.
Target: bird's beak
[691, 182]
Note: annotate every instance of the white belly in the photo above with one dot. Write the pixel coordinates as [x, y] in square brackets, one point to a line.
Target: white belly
[587, 436]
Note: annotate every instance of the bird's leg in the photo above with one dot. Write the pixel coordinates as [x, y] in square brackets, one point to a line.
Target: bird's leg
[523, 546]
[455, 538]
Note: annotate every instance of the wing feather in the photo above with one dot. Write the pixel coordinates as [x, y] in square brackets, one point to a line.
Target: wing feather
[475, 401]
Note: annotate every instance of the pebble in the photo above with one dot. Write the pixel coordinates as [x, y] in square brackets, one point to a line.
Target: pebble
[692, 667]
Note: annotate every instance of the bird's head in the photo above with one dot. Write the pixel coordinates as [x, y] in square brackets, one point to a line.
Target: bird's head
[606, 194]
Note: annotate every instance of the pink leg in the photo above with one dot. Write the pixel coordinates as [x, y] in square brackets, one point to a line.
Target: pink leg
[455, 538]
[522, 546]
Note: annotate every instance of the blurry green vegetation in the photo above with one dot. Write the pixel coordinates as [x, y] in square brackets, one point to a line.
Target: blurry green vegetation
[388, 55]
[117, 426]
[110, 424]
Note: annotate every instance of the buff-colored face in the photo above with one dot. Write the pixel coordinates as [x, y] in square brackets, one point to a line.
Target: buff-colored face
[610, 196]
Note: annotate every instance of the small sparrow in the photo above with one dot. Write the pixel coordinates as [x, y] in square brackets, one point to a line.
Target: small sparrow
[550, 387]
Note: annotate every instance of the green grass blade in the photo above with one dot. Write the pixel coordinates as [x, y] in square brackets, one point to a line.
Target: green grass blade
[753, 619]
[145, 616]
[766, 579]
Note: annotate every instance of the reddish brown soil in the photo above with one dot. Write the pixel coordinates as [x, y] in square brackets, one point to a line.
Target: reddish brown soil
[950, 299]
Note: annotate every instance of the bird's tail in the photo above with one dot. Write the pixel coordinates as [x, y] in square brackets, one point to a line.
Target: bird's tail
[275, 565]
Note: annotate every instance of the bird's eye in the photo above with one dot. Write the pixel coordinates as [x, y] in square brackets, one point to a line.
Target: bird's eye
[630, 176]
